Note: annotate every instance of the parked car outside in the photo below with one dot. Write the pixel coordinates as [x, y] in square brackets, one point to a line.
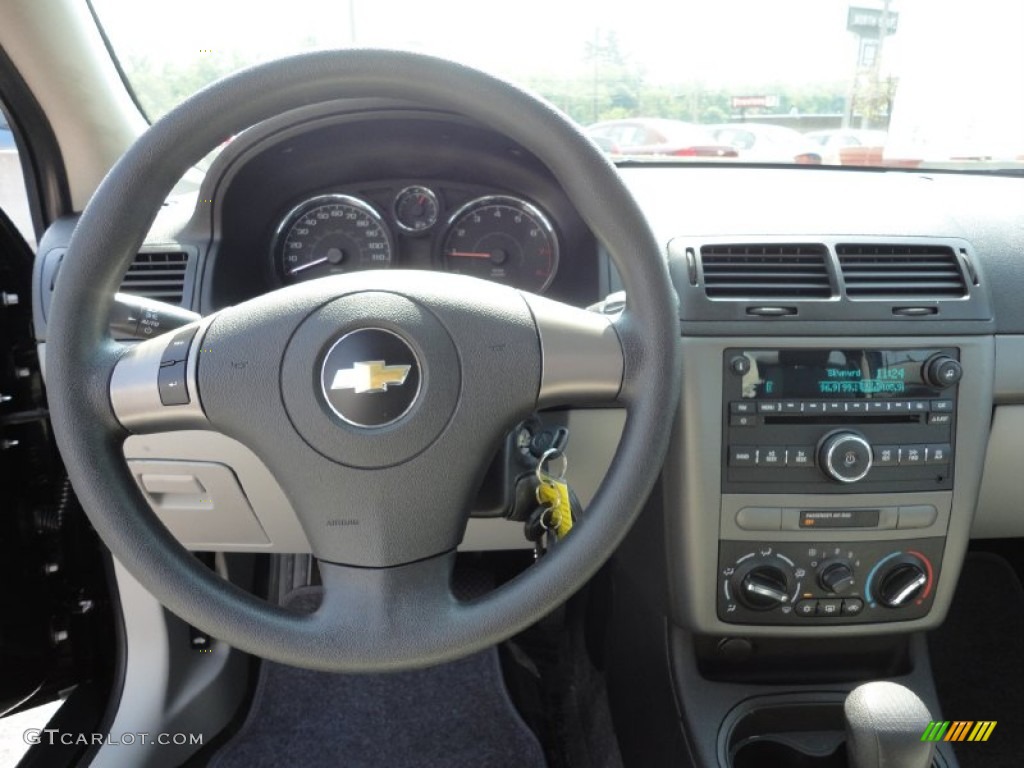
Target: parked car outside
[848, 146]
[764, 143]
[658, 136]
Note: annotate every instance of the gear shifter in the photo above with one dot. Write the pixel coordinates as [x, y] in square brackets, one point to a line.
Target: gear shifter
[884, 723]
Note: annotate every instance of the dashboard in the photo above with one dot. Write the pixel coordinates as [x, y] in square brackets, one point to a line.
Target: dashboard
[852, 342]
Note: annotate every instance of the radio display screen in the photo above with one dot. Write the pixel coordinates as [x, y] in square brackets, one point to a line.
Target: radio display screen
[836, 373]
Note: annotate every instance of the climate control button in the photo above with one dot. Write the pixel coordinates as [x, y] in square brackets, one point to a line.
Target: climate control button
[836, 577]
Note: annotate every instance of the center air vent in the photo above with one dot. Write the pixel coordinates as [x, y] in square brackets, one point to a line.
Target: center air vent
[873, 271]
[775, 271]
[157, 275]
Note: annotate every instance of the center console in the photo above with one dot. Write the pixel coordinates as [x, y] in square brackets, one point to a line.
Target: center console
[828, 483]
[835, 421]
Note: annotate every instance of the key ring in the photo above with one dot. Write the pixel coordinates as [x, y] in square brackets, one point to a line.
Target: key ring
[550, 454]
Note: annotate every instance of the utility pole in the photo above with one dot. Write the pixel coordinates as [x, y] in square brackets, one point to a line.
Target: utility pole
[876, 69]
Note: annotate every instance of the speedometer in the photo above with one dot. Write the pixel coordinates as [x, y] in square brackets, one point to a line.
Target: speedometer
[330, 234]
[503, 239]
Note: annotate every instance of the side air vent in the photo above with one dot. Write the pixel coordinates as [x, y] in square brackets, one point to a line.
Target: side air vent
[772, 271]
[157, 275]
[873, 271]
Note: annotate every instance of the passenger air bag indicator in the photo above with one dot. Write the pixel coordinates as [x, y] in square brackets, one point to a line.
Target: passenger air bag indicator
[839, 518]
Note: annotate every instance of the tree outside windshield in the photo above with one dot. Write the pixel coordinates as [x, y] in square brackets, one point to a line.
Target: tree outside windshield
[902, 83]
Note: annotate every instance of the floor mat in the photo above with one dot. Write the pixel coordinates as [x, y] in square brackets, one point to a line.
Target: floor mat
[978, 660]
[455, 715]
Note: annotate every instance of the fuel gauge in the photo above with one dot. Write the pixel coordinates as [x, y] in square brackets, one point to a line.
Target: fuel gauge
[416, 209]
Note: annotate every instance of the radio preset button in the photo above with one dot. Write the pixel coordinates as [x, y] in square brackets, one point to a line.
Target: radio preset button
[886, 455]
[792, 406]
[877, 406]
[913, 454]
[742, 456]
[834, 406]
[918, 406]
[857, 406]
[801, 455]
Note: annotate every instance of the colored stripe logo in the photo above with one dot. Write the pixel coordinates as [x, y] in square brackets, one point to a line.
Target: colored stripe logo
[959, 730]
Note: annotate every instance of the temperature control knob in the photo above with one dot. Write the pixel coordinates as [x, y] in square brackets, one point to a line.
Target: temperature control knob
[764, 587]
[901, 583]
[942, 371]
[845, 456]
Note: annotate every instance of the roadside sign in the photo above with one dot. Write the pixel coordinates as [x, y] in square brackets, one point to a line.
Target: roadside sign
[867, 21]
[746, 102]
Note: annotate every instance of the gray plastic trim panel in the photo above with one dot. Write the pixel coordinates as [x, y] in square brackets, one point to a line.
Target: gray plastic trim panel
[168, 686]
[1009, 387]
[582, 358]
[594, 437]
[999, 512]
[732, 503]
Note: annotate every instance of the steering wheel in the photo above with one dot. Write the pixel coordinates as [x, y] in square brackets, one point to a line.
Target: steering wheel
[375, 398]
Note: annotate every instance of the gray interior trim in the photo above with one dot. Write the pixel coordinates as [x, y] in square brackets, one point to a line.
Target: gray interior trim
[594, 436]
[93, 125]
[168, 686]
[1009, 378]
[693, 500]
[582, 358]
[732, 503]
[262, 492]
[999, 513]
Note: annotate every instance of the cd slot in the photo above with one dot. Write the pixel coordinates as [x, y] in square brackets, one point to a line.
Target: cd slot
[846, 418]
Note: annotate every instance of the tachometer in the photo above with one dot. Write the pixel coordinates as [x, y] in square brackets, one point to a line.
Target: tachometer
[504, 239]
[330, 234]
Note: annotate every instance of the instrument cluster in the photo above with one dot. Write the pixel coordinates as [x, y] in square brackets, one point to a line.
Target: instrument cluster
[416, 224]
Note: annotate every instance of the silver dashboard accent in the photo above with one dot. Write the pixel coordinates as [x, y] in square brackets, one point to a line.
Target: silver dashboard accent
[134, 389]
[582, 358]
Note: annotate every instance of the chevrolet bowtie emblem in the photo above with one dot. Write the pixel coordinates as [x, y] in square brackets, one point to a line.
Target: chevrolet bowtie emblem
[370, 376]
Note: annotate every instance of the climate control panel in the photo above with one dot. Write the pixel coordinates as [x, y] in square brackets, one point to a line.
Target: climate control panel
[805, 583]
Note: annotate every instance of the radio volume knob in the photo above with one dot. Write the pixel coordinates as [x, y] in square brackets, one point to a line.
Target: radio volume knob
[845, 456]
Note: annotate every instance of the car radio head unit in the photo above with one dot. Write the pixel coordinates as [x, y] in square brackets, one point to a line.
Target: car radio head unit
[836, 420]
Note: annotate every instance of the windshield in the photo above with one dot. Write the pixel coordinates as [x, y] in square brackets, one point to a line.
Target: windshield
[897, 83]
